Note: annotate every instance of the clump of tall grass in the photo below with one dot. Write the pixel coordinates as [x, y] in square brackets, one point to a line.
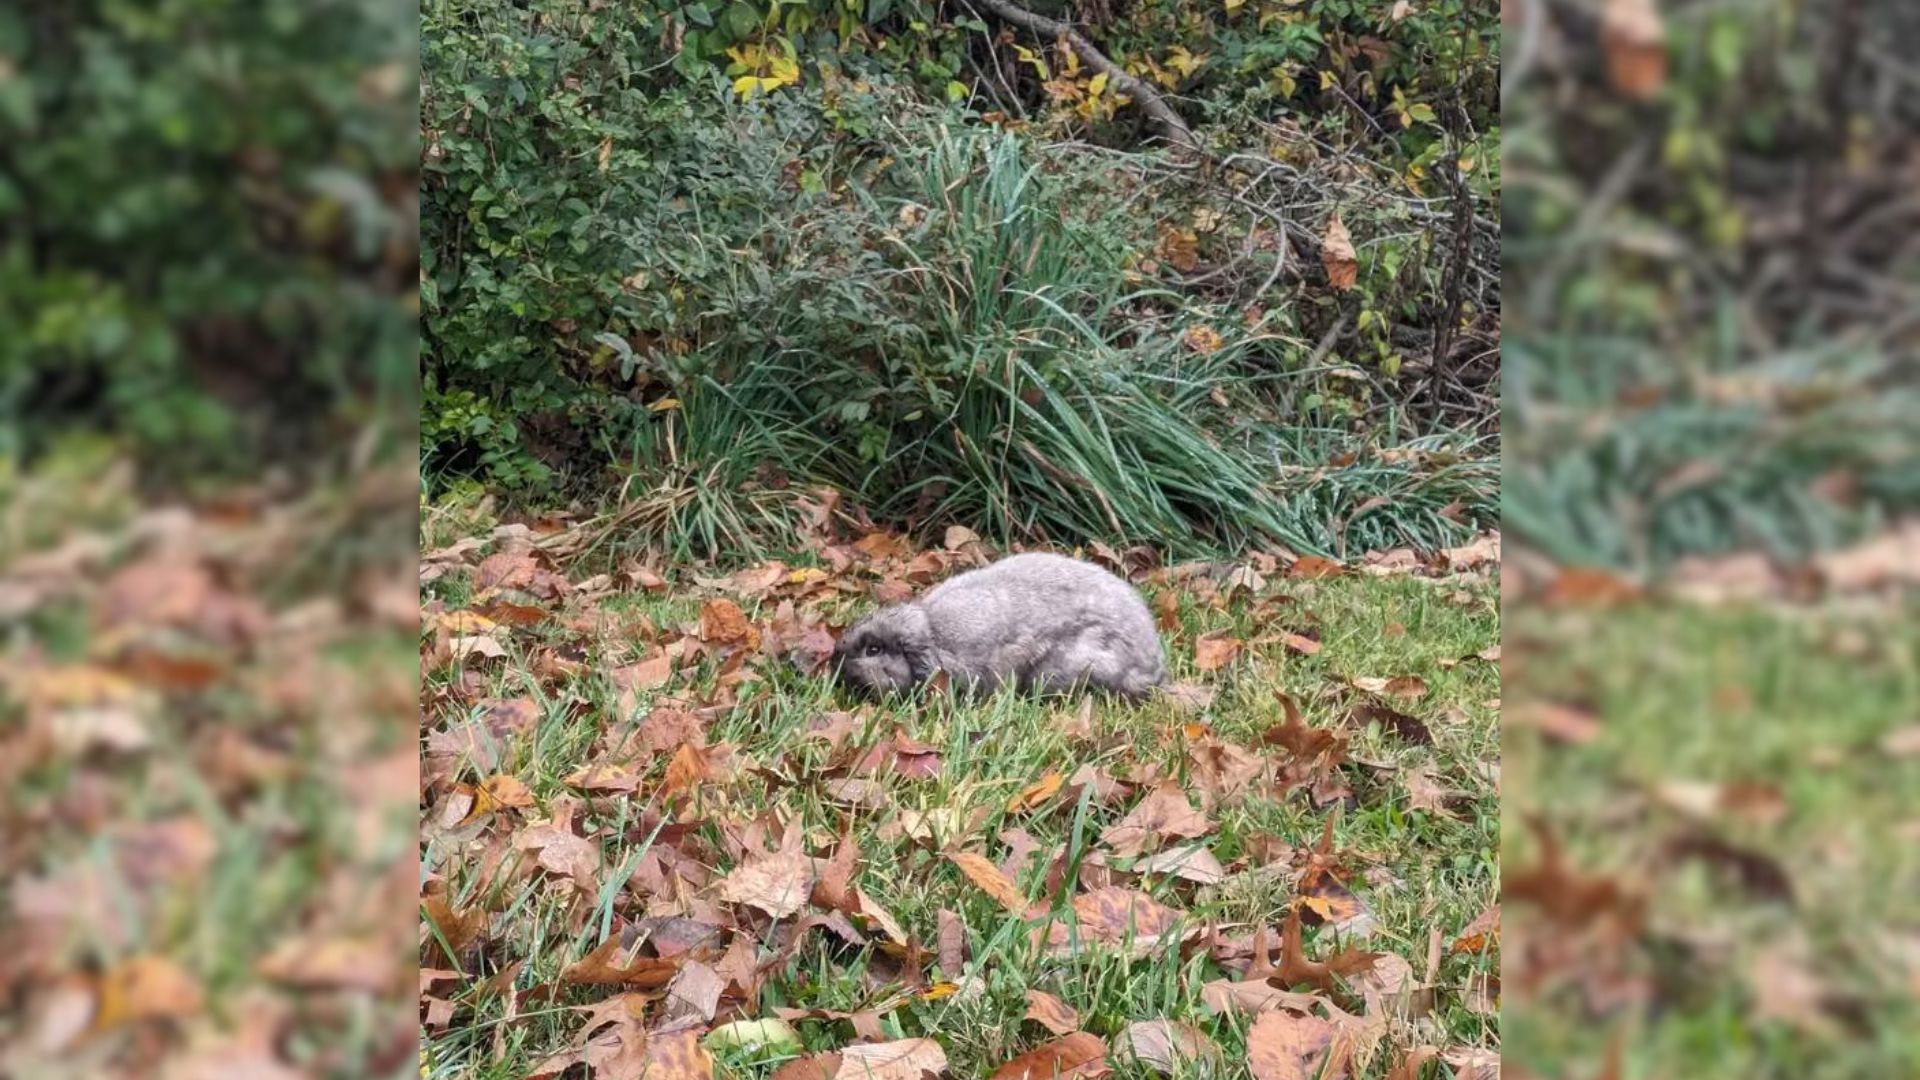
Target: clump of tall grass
[950, 331]
[1628, 457]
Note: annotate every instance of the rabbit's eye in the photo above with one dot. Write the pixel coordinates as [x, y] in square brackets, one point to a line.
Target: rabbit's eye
[873, 649]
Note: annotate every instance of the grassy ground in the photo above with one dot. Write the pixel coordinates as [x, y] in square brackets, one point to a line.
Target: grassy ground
[206, 778]
[1751, 784]
[1422, 874]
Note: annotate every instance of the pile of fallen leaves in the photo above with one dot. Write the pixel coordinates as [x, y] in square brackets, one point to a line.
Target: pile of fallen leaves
[727, 885]
[1593, 940]
[203, 811]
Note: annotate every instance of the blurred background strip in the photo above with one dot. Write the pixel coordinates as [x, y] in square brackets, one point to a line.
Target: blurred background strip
[1711, 816]
[208, 466]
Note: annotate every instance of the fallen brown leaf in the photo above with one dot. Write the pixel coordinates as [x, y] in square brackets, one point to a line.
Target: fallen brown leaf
[776, 883]
[902, 1059]
[1163, 815]
[1051, 1013]
[1166, 1046]
[981, 871]
[1337, 255]
[1076, 1055]
[1215, 650]
[1284, 1045]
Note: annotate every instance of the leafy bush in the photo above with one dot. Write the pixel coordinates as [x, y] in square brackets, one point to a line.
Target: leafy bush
[839, 283]
[206, 211]
[1696, 365]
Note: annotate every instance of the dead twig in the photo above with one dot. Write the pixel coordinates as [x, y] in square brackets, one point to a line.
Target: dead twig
[1146, 97]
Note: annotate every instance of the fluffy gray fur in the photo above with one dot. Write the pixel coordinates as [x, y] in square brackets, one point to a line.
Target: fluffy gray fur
[1040, 622]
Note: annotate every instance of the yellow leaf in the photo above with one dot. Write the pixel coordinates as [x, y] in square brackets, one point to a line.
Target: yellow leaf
[1097, 85]
[1186, 63]
[1203, 339]
[1326, 80]
[745, 85]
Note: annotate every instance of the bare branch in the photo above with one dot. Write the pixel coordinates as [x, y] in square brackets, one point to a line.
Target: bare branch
[1158, 111]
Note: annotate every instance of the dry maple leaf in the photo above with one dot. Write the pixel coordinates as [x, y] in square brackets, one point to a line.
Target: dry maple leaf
[1164, 814]
[1051, 1013]
[902, 1059]
[1386, 986]
[1195, 864]
[1337, 255]
[507, 792]
[1885, 560]
[693, 997]
[1426, 793]
[812, 1067]
[645, 675]
[1299, 643]
[1075, 1055]
[777, 883]
[1216, 650]
[600, 776]
[879, 916]
[1114, 915]
[1477, 1063]
[1284, 1045]
[902, 755]
[558, 851]
[1168, 1046]
[1253, 995]
[1187, 697]
[1166, 611]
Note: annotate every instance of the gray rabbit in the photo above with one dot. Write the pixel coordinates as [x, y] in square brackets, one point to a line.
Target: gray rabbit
[1039, 622]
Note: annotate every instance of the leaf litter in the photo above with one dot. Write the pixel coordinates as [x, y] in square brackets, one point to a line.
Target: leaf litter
[682, 874]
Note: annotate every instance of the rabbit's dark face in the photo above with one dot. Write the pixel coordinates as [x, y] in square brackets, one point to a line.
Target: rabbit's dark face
[884, 653]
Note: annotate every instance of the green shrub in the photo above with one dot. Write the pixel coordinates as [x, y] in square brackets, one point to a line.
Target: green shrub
[205, 216]
[732, 301]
